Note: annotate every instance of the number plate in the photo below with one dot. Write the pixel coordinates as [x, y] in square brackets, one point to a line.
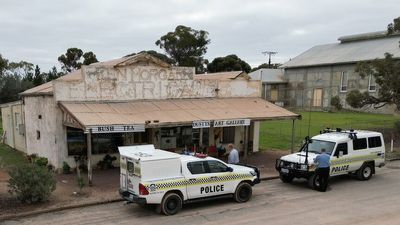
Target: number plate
[284, 170]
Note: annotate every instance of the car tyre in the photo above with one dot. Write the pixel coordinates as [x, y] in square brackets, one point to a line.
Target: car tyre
[171, 204]
[313, 182]
[243, 192]
[286, 178]
[365, 172]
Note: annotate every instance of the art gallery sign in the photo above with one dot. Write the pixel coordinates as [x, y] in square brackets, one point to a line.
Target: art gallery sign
[221, 123]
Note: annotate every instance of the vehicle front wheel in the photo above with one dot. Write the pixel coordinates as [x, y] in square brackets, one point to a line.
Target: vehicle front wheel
[286, 178]
[243, 192]
[314, 182]
[171, 204]
[365, 172]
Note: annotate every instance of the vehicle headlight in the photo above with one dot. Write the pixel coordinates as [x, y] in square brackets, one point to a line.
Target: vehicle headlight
[253, 173]
[303, 167]
[292, 165]
[281, 163]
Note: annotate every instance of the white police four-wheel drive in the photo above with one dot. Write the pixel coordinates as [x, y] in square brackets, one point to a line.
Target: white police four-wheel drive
[153, 176]
[354, 152]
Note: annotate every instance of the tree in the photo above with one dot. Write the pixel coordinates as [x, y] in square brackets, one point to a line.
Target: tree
[266, 66]
[386, 73]
[15, 77]
[228, 63]
[394, 27]
[72, 59]
[186, 46]
[3, 65]
[156, 54]
[38, 77]
[89, 58]
[53, 74]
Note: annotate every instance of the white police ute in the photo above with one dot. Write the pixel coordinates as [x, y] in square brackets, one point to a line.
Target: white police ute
[355, 152]
[168, 180]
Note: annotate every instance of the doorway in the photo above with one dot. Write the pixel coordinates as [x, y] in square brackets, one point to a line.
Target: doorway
[317, 97]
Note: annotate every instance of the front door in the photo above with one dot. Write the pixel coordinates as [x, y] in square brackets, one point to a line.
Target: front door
[317, 97]
[340, 163]
[201, 182]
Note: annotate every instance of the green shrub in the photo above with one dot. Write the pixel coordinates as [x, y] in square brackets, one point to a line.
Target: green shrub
[31, 183]
[32, 158]
[335, 102]
[66, 168]
[41, 161]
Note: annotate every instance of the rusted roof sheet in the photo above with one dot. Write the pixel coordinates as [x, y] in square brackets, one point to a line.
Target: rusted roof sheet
[222, 76]
[173, 111]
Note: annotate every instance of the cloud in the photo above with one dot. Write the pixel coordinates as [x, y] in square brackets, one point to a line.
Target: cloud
[40, 30]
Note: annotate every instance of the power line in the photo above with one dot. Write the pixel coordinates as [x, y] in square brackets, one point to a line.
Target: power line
[269, 53]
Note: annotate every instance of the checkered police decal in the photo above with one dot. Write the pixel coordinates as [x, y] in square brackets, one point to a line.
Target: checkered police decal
[202, 180]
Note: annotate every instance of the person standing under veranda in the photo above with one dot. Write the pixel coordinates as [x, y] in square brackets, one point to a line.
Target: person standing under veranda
[323, 167]
[233, 157]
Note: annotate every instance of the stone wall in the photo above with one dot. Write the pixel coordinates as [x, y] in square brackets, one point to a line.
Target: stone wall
[303, 81]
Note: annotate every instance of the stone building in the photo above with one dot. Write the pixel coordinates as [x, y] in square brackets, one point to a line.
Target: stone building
[325, 71]
[274, 85]
[137, 100]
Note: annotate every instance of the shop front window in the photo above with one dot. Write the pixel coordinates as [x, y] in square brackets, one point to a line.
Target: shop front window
[101, 143]
[179, 137]
[228, 135]
[107, 143]
[76, 141]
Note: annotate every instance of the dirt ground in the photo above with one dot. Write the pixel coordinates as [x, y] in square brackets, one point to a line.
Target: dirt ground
[105, 186]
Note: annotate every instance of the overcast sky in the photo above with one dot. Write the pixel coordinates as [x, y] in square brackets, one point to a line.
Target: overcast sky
[39, 31]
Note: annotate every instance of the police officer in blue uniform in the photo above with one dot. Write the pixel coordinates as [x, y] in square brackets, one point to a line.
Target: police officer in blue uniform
[323, 167]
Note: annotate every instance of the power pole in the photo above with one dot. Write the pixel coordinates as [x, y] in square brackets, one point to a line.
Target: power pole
[269, 53]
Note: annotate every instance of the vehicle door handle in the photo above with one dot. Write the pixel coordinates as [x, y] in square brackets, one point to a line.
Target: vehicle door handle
[213, 177]
[193, 179]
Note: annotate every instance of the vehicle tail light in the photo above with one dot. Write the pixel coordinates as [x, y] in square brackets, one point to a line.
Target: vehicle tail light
[143, 190]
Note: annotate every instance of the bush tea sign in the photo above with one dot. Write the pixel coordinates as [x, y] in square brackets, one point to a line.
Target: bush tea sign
[116, 128]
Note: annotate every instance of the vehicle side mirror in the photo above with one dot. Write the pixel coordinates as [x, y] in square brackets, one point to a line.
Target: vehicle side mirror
[229, 169]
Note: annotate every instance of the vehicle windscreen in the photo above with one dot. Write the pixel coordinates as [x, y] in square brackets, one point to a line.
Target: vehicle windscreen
[316, 145]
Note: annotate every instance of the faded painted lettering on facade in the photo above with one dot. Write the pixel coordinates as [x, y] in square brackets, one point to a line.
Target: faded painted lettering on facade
[147, 82]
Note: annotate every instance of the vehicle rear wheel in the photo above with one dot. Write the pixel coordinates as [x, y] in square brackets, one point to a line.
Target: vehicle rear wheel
[286, 178]
[365, 172]
[314, 182]
[171, 204]
[243, 192]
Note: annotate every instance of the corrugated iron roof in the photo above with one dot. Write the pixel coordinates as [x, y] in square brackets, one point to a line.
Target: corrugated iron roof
[268, 75]
[173, 111]
[353, 49]
[231, 75]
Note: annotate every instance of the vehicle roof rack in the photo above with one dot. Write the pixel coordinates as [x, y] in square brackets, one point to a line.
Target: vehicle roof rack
[351, 132]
